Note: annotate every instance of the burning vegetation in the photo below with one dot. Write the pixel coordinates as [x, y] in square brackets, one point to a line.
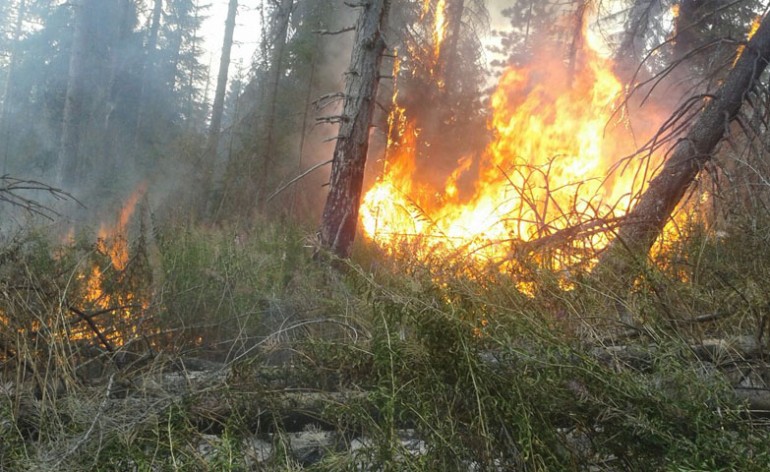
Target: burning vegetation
[561, 163]
[506, 307]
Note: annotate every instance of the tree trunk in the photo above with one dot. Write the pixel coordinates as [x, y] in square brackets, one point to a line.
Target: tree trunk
[149, 60]
[69, 159]
[111, 145]
[340, 216]
[224, 66]
[9, 81]
[212, 143]
[280, 28]
[643, 224]
[448, 57]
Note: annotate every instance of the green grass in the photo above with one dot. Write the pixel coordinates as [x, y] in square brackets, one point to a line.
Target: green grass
[482, 374]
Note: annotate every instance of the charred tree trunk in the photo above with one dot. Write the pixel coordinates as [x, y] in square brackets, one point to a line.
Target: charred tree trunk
[576, 43]
[340, 216]
[643, 224]
[69, 159]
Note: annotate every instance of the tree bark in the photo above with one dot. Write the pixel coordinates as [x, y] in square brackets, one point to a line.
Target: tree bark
[69, 159]
[340, 216]
[642, 226]
[577, 38]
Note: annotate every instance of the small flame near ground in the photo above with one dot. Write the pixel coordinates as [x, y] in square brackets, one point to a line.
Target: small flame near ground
[122, 307]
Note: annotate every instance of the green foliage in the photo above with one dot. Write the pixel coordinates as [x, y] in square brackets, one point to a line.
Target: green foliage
[443, 370]
[220, 286]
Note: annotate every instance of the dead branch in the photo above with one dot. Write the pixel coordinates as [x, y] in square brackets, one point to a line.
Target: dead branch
[334, 119]
[11, 190]
[325, 100]
[297, 178]
[339, 31]
[102, 338]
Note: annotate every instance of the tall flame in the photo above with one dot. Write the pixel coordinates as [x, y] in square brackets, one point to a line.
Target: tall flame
[549, 167]
[440, 26]
[112, 241]
[117, 248]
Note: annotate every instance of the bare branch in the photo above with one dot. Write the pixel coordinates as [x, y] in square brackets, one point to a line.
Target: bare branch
[297, 178]
[339, 31]
[332, 119]
[11, 189]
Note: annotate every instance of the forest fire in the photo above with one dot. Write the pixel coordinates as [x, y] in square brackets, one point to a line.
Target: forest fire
[552, 165]
[107, 289]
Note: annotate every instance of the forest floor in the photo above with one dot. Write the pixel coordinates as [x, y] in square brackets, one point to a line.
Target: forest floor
[217, 350]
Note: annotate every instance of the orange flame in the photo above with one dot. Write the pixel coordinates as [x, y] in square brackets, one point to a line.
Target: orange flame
[752, 31]
[117, 249]
[439, 28]
[112, 241]
[548, 168]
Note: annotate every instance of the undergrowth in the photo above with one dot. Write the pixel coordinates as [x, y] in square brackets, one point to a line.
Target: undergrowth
[246, 338]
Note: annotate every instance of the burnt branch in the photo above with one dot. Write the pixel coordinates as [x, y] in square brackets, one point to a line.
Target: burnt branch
[88, 319]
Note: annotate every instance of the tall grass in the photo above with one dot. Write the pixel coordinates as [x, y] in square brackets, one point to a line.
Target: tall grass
[433, 367]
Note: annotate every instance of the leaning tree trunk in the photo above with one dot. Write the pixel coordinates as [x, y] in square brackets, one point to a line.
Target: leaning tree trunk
[643, 224]
[69, 159]
[340, 216]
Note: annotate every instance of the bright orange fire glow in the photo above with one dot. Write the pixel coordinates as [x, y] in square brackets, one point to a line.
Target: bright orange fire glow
[550, 166]
[121, 305]
[117, 249]
[752, 31]
[439, 28]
